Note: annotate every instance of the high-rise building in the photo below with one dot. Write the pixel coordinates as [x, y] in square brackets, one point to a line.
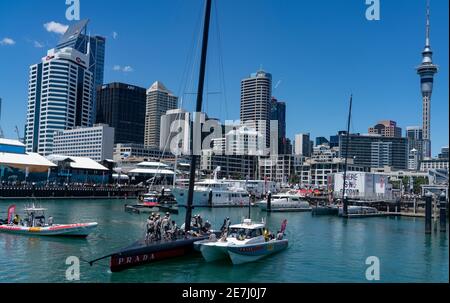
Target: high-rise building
[322, 141]
[414, 134]
[375, 151]
[77, 37]
[179, 119]
[159, 101]
[95, 142]
[122, 106]
[59, 97]
[302, 145]
[426, 71]
[444, 153]
[278, 113]
[413, 159]
[386, 128]
[256, 94]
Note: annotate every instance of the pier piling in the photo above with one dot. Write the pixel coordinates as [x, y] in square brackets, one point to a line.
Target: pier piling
[443, 212]
[428, 213]
[269, 202]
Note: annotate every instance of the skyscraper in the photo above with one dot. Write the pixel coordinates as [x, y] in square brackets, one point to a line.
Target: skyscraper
[386, 128]
[94, 46]
[122, 106]
[414, 134]
[256, 94]
[166, 134]
[302, 145]
[159, 101]
[375, 151]
[426, 71]
[278, 113]
[59, 97]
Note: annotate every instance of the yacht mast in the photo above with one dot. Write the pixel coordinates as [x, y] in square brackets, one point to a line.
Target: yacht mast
[344, 195]
[198, 110]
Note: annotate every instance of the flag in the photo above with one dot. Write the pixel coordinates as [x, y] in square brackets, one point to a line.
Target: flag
[11, 211]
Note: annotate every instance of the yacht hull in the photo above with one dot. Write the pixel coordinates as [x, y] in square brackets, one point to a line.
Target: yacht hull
[253, 252]
[213, 253]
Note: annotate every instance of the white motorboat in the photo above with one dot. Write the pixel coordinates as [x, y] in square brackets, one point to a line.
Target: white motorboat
[36, 224]
[213, 193]
[285, 203]
[239, 234]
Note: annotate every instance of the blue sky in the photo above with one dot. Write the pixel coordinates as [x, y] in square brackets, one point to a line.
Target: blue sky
[319, 52]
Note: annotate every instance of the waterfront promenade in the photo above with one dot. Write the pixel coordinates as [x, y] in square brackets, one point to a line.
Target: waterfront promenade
[71, 191]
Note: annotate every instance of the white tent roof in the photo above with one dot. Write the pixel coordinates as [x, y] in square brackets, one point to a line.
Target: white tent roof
[27, 159]
[151, 171]
[152, 164]
[11, 142]
[78, 162]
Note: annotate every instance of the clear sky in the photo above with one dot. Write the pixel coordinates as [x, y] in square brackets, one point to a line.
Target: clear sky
[319, 52]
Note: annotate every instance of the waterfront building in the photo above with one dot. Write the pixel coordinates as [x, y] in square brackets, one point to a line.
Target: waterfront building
[127, 151]
[278, 113]
[159, 101]
[151, 172]
[242, 141]
[59, 97]
[434, 164]
[277, 168]
[71, 169]
[303, 145]
[314, 171]
[426, 70]
[386, 128]
[76, 37]
[17, 165]
[375, 151]
[256, 94]
[181, 129]
[96, 142]
[238, 167]
[122, 106]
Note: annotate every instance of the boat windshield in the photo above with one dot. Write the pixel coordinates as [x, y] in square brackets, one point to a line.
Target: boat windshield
[244, 233]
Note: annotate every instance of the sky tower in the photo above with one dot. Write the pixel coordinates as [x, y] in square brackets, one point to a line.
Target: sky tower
[426, 71]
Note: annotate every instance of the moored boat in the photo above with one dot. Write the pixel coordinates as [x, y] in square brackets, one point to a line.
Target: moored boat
[325, 210]
[285, 203]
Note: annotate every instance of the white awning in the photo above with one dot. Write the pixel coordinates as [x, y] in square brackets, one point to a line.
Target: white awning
[78, 162]
[34, 162]
[151, 171]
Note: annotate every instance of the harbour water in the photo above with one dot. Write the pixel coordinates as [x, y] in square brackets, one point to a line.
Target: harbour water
[321, 249]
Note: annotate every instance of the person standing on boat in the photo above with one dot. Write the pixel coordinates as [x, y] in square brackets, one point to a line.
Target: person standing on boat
[158, 227]
[165, 226]
[50, 221]
[150, 227]
[16, 220]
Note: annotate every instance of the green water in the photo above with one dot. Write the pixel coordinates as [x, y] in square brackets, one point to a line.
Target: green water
[321, 249]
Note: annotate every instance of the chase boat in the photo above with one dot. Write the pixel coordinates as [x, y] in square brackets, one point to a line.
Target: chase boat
[245, 242]
[36, 224]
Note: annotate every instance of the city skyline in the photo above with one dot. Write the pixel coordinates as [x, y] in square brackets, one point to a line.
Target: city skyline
[300, 90]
